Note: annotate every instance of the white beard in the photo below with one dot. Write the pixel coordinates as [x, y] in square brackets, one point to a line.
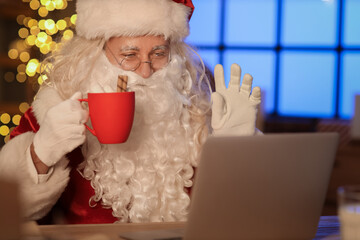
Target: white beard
[144, 179]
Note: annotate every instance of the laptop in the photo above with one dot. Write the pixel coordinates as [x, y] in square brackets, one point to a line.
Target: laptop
[259, 187]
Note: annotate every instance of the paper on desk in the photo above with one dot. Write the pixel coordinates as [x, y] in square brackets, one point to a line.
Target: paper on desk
[172, 234]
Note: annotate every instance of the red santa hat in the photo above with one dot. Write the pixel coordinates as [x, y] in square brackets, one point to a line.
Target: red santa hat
[109, 18]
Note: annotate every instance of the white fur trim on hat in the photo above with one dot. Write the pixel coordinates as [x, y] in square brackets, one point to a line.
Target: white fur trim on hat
[110, 18]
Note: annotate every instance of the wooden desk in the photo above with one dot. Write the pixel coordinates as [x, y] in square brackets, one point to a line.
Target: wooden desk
[328, 229]
[103, 231]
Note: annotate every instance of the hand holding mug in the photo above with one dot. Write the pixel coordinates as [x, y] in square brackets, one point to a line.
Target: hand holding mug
[61, 131]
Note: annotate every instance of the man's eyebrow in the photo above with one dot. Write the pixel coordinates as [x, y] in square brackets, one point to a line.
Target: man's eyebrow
[160, 47]
[134, 48]
[129, 48]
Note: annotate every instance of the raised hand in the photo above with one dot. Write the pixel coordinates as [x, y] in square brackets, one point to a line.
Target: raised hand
[234, 108]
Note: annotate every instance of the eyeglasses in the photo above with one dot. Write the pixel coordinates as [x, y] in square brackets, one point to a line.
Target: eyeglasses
[159, 58]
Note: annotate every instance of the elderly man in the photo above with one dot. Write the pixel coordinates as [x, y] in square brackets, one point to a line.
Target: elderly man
[59, 163]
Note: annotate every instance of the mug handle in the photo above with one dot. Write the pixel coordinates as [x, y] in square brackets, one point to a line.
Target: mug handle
[90, 129]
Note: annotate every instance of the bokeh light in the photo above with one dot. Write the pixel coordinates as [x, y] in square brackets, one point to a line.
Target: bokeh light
[23, 32]
[34, 4]
[68, 34]
[21, 45]
[9, 76]
[5, 118]
[24, 56]
[61, 24]
[26, 20]
[34, 30]
[32, 23]
[49, 24]
[73, 19]
[23, 107]
[21, 77]
[31, 67]
[16, 119]
[21, 68]
[20, 19]
[41, 37]
[43, 12]
[30, 40]
[4, 130]
[13, 53]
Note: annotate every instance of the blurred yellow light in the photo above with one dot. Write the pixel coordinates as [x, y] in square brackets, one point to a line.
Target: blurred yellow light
[34, 30]
[41, 24]
[6, 138]
[13, 53]
[38, 43]
[49, 24]
[65, 4]
[61, 24]
[32, 23]
[31, 67]
[4, 130]
[68, 34]
[38, 68]
[20, 45]
[45, 49]
[50, 6]
[23, 107]
[59, 4]
[68, 21]
[23, 32]
[21, 68]
[34, 4]
[43, 12]
[48, 39]
[9, 76]
[44, 2]
[26, 20]
[16, 118]
[52, 31]
[5, 118]
[30, 40]
[20, 19]
[42, 36]
[73, 19]
[24, 56]
[40, 80]
[21, 77]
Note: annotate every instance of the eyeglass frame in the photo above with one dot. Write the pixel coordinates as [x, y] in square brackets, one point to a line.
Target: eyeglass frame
[140, 62]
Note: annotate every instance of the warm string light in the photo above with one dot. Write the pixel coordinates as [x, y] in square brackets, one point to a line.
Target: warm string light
[35, 34]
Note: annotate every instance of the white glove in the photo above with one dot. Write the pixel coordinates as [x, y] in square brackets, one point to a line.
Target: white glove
[234, 109]
[62, 131]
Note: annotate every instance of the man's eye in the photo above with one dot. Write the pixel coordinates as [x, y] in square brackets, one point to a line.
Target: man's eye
[129, 55]
[159, 54]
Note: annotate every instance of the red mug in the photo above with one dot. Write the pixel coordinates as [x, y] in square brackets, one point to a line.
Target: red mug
[111, 115]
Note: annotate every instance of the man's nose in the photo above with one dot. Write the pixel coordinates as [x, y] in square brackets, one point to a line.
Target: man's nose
[144, 70]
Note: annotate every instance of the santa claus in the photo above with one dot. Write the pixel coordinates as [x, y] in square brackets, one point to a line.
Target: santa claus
[61, 165]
